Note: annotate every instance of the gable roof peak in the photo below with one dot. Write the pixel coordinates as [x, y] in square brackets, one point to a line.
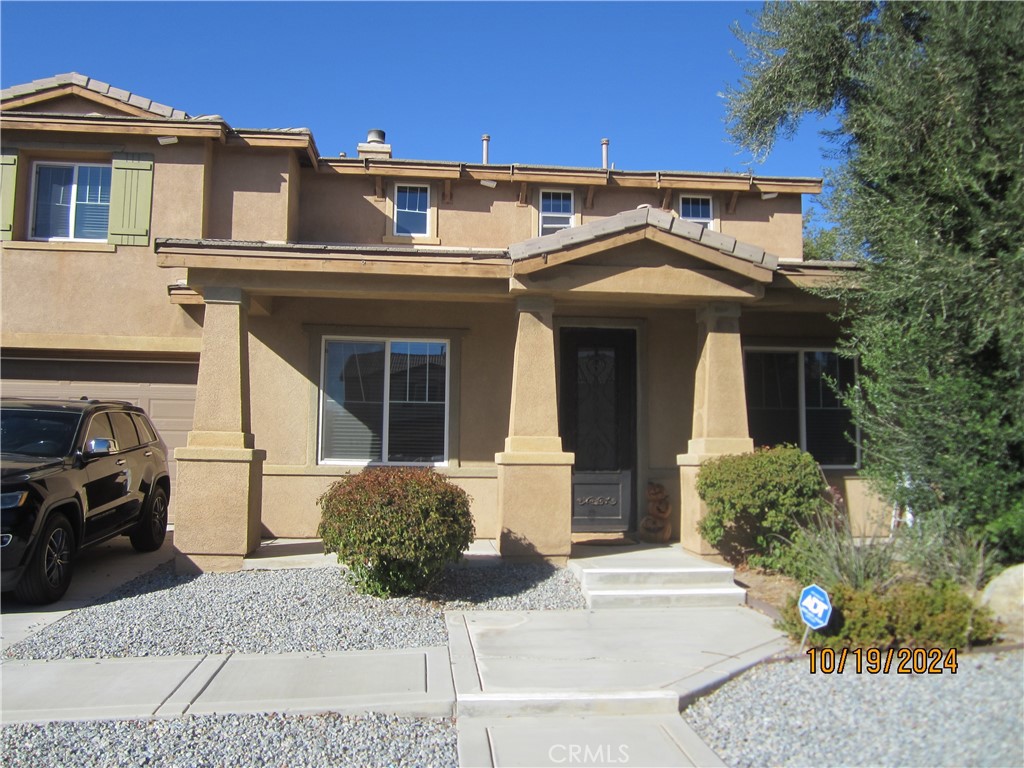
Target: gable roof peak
[67, 80]
[642, 218]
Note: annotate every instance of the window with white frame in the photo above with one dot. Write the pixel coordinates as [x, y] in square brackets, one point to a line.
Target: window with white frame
[790, 399]
[556, 210]
[70, 201]
[697, 208]
[384, 400]
[412, 208]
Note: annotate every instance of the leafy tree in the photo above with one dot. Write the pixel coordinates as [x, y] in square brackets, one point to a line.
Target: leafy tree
[822, 243]
[930, 195]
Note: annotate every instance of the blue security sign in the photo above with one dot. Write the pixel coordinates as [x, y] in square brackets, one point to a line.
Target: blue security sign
[815, 607]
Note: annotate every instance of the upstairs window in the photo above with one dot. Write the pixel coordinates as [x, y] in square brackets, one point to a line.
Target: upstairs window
[556, 211]
[412, 205]
[384, 401]
[70, 202]
[698, 209]
[790, 399]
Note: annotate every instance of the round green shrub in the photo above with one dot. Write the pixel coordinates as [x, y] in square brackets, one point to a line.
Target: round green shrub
[908, 615]
[758, 501]
[395, 527]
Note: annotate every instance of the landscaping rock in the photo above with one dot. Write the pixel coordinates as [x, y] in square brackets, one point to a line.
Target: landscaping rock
[1004, 596]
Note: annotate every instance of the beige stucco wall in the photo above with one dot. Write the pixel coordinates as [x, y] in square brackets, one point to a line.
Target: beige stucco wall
[870, 516]
[339, 209]
[181, 169]
[293, 186]
[344, 208]
[53, 297]
[284, 370]
[99, 297]
[250, 195]
[284, 388]
[807, 329]
[75, 105]
[775, 225]
[481, 217]
[608, 202]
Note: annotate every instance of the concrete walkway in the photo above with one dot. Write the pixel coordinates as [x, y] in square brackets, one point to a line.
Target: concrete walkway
[415, 682]
[528, 688]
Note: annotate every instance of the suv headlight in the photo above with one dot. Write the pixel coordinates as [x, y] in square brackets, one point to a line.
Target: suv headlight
[12, 499]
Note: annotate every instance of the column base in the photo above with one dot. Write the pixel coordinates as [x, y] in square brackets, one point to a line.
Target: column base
[217, 505]
[691, 510]
[691, 506]
[535, 505]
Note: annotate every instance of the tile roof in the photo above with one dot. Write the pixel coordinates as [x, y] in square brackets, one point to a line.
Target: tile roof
[637, 219]
[97, 86]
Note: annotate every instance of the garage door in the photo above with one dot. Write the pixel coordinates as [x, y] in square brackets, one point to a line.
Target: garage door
[167, 391]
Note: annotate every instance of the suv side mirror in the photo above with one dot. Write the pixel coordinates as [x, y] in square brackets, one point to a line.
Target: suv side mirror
[99, 446]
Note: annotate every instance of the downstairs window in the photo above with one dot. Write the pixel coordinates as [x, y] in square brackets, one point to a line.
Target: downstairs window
[790, 400]
[384, 401]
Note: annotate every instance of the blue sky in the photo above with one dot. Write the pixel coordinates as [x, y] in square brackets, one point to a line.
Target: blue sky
[546, 80]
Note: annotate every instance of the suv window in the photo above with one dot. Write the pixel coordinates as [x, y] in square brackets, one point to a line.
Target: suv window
[146, 432]
[99, 427]
[37, 433]
[124, 430]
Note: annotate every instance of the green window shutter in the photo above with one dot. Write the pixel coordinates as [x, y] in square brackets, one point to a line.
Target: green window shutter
[131, 199]
[8, 181]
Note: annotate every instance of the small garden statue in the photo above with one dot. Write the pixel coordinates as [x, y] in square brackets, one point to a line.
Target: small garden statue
[656, 527]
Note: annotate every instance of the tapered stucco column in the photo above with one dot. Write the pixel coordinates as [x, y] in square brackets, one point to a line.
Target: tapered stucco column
[719, 411]
[220, 475]
[534, 473]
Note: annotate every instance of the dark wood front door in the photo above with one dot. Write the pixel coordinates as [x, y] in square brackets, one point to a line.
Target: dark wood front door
[597, 420]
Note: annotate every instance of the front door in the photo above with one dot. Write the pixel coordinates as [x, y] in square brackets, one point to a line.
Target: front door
[597, 420]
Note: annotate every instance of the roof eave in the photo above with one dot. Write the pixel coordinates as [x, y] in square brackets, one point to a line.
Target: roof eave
[146, 126]
[518, 173]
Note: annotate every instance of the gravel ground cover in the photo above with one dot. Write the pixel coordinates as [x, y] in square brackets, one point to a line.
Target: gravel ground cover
[234, 741]
[313, 610]
[781, 715]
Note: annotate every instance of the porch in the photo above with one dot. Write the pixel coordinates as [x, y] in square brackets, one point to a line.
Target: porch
[509, 332]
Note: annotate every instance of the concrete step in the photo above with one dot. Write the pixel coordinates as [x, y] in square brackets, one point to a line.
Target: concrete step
[516, 704]
[654, 597]
[664, 577]
[653, 577]
[567, 740]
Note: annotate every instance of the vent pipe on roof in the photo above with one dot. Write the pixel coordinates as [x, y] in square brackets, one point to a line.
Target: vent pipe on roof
[486, 139]
[604, 153]
[374, 146]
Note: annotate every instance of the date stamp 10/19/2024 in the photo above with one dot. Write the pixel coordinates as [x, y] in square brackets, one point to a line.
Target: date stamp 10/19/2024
[873, 661]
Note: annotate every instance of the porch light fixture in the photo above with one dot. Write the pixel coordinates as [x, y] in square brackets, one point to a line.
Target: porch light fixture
[769, 195]
[163, 141]
[490, 183]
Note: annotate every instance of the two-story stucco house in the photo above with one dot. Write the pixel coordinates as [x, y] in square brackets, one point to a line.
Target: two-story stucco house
[550, 338]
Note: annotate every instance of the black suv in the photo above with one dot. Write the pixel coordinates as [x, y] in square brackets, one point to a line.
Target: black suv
[75, 473]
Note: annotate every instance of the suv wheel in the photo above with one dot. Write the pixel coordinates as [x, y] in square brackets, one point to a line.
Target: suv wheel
[148, 535]
[48, 573]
